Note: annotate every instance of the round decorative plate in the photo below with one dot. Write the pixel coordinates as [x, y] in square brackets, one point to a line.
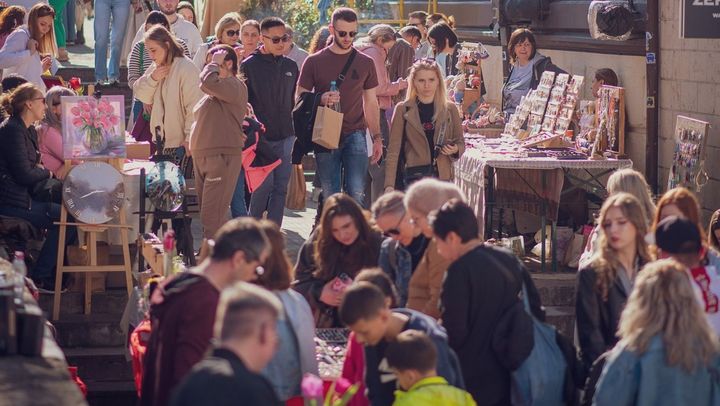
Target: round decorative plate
[93, 192]
[165, 186]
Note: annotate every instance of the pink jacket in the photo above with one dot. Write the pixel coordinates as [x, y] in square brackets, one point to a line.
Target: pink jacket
[386, 89]
[51, 148]
[354, 370]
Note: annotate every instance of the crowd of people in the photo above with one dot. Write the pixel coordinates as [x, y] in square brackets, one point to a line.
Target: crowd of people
[396, 254]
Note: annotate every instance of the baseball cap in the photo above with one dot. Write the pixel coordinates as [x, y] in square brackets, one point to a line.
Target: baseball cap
[676, 235]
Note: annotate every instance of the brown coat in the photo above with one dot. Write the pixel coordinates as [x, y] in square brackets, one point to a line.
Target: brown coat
[417, 152]
[426, 282]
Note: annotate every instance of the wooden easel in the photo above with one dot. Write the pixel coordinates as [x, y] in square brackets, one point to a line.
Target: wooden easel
[91, 232]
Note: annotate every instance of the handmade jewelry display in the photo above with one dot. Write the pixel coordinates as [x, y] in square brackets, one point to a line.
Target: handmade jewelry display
[610, 118]
[688, 159]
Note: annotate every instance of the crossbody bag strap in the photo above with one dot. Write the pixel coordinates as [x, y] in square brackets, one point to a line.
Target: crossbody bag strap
[402, 139]
[341, 76]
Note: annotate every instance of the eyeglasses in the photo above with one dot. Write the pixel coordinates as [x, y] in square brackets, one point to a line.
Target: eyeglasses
[394, 232]
[232, 33]
[276, 40]
[343, 34]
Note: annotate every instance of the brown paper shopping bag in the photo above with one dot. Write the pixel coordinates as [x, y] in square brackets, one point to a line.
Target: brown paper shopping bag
[328, 124]
[297, 190]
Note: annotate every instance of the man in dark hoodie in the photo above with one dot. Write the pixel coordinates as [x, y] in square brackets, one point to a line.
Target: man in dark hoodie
[271, 79]
[183, 309]
[365, 311]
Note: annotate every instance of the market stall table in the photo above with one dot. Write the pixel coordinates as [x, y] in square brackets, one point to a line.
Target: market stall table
[519, 178]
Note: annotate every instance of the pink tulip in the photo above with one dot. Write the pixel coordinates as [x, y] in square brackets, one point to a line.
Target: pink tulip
[77, 122]
[75, 111]
[341, 385]
[312, 387]
[115, 120]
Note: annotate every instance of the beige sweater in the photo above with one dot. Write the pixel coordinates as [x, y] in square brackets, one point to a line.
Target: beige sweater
[172, 99]
[219, 115]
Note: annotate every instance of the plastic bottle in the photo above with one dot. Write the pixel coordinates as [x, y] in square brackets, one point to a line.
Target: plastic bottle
[170, 252]
[334, 88]
[20, 272]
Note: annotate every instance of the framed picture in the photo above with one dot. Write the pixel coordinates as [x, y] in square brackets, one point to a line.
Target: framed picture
[93, 127]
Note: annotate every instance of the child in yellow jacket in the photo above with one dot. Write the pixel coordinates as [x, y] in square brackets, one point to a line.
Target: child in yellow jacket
[413, 358]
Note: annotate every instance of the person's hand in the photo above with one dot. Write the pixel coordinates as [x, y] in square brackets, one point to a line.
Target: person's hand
[450, 149]
[238, 48]
[218, 57]
[377, 150]
[389, 189]
[329, 98]
[330, 296]
[403, 84]
[60, 174]
[32, 46]
[147, 109]
[160, 72]
[46, 63]
[186, 144]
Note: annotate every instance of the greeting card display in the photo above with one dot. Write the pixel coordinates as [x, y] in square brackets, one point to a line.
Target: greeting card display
[689, 157]
[93, 127]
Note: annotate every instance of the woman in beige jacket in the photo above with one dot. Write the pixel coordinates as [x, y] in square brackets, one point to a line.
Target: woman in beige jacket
[426, 132]
[171, 85]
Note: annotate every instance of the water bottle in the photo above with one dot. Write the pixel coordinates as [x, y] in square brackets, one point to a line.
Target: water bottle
[334, 88]
[20, 272]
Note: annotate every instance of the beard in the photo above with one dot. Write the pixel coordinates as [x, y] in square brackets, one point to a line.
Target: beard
[339, 42]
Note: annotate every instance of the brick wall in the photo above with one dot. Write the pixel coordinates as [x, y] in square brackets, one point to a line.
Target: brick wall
[689, 86]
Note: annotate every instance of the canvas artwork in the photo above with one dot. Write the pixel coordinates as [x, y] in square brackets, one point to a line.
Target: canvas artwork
[93, 127]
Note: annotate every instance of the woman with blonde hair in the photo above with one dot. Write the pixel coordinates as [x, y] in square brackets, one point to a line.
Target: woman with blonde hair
[30, 50]
[426, 133]
[604, 285]
[171, 85]
[629, 181]
[667, 354]
[227, 31]
[376, 45]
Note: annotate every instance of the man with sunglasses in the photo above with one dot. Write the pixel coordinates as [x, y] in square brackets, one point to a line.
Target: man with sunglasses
[358, 104]
[271, 78]
[418, 19]
[183, 308]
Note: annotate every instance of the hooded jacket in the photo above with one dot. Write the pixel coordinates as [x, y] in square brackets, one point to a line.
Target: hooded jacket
[271, 82]
[379, 379]
[182, 314]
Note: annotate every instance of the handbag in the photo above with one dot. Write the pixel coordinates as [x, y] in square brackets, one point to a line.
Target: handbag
[47, 190]
[297, 190]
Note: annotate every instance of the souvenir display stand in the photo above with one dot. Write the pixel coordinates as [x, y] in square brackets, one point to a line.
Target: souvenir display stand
[610, 121]
[92, 226]
[689, 157]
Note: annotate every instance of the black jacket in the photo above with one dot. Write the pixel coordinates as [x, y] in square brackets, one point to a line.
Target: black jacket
[597, 320]
[479, 288]
[222, 379]
[19, 159]
[271, 85]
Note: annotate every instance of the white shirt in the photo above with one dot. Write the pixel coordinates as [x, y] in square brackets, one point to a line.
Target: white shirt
[16, 59]
[182, 29]
[706, 284]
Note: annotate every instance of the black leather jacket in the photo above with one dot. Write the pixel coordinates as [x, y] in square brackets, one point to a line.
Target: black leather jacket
[271, 85]
[19, 163]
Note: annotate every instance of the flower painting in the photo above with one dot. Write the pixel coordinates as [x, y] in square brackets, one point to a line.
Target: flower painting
[92, 127]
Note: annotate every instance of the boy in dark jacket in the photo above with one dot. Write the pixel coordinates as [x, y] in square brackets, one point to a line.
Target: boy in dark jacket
[365, 311]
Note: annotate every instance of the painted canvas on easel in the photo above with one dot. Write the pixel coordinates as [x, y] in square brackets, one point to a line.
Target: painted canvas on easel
[93, 127]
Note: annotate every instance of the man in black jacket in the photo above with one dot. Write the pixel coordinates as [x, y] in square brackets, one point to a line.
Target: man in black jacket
[271, 78]
[247, 316]
[480, 286]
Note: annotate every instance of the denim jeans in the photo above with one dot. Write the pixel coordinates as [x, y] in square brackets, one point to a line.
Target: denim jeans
[70, 29]
[350, 159]
[42, 216]
[271, 194]
[106, 35]
[238, 207]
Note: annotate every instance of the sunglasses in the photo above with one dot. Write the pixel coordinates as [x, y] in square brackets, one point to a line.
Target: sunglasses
[394, 232]
[232, 33]
[276, 40]
[343, 34]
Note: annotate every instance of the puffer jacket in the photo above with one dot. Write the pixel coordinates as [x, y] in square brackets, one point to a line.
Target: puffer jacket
[19, 163]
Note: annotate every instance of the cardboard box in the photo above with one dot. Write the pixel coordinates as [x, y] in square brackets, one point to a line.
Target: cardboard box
[138, 150]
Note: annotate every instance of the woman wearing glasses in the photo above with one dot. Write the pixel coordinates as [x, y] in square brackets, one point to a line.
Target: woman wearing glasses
[50, 132]
[343, 244]
[227, 31]
[426, 132]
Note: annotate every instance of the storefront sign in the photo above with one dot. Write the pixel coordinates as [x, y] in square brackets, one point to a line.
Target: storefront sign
[700, 19]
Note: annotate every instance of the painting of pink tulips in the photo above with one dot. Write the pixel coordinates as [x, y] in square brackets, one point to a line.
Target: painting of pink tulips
[92, 127]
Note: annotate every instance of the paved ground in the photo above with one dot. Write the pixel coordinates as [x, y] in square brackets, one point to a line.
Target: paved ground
[297, 225]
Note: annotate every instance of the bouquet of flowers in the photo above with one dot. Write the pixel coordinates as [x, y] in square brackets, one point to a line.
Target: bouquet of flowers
[339, 394]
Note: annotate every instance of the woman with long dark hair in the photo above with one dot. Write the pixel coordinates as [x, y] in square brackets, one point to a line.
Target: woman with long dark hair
[30, 49]
[342, 245]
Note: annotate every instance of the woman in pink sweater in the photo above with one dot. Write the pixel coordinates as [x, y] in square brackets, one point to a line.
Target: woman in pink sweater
[50, 132]
[380, 39]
